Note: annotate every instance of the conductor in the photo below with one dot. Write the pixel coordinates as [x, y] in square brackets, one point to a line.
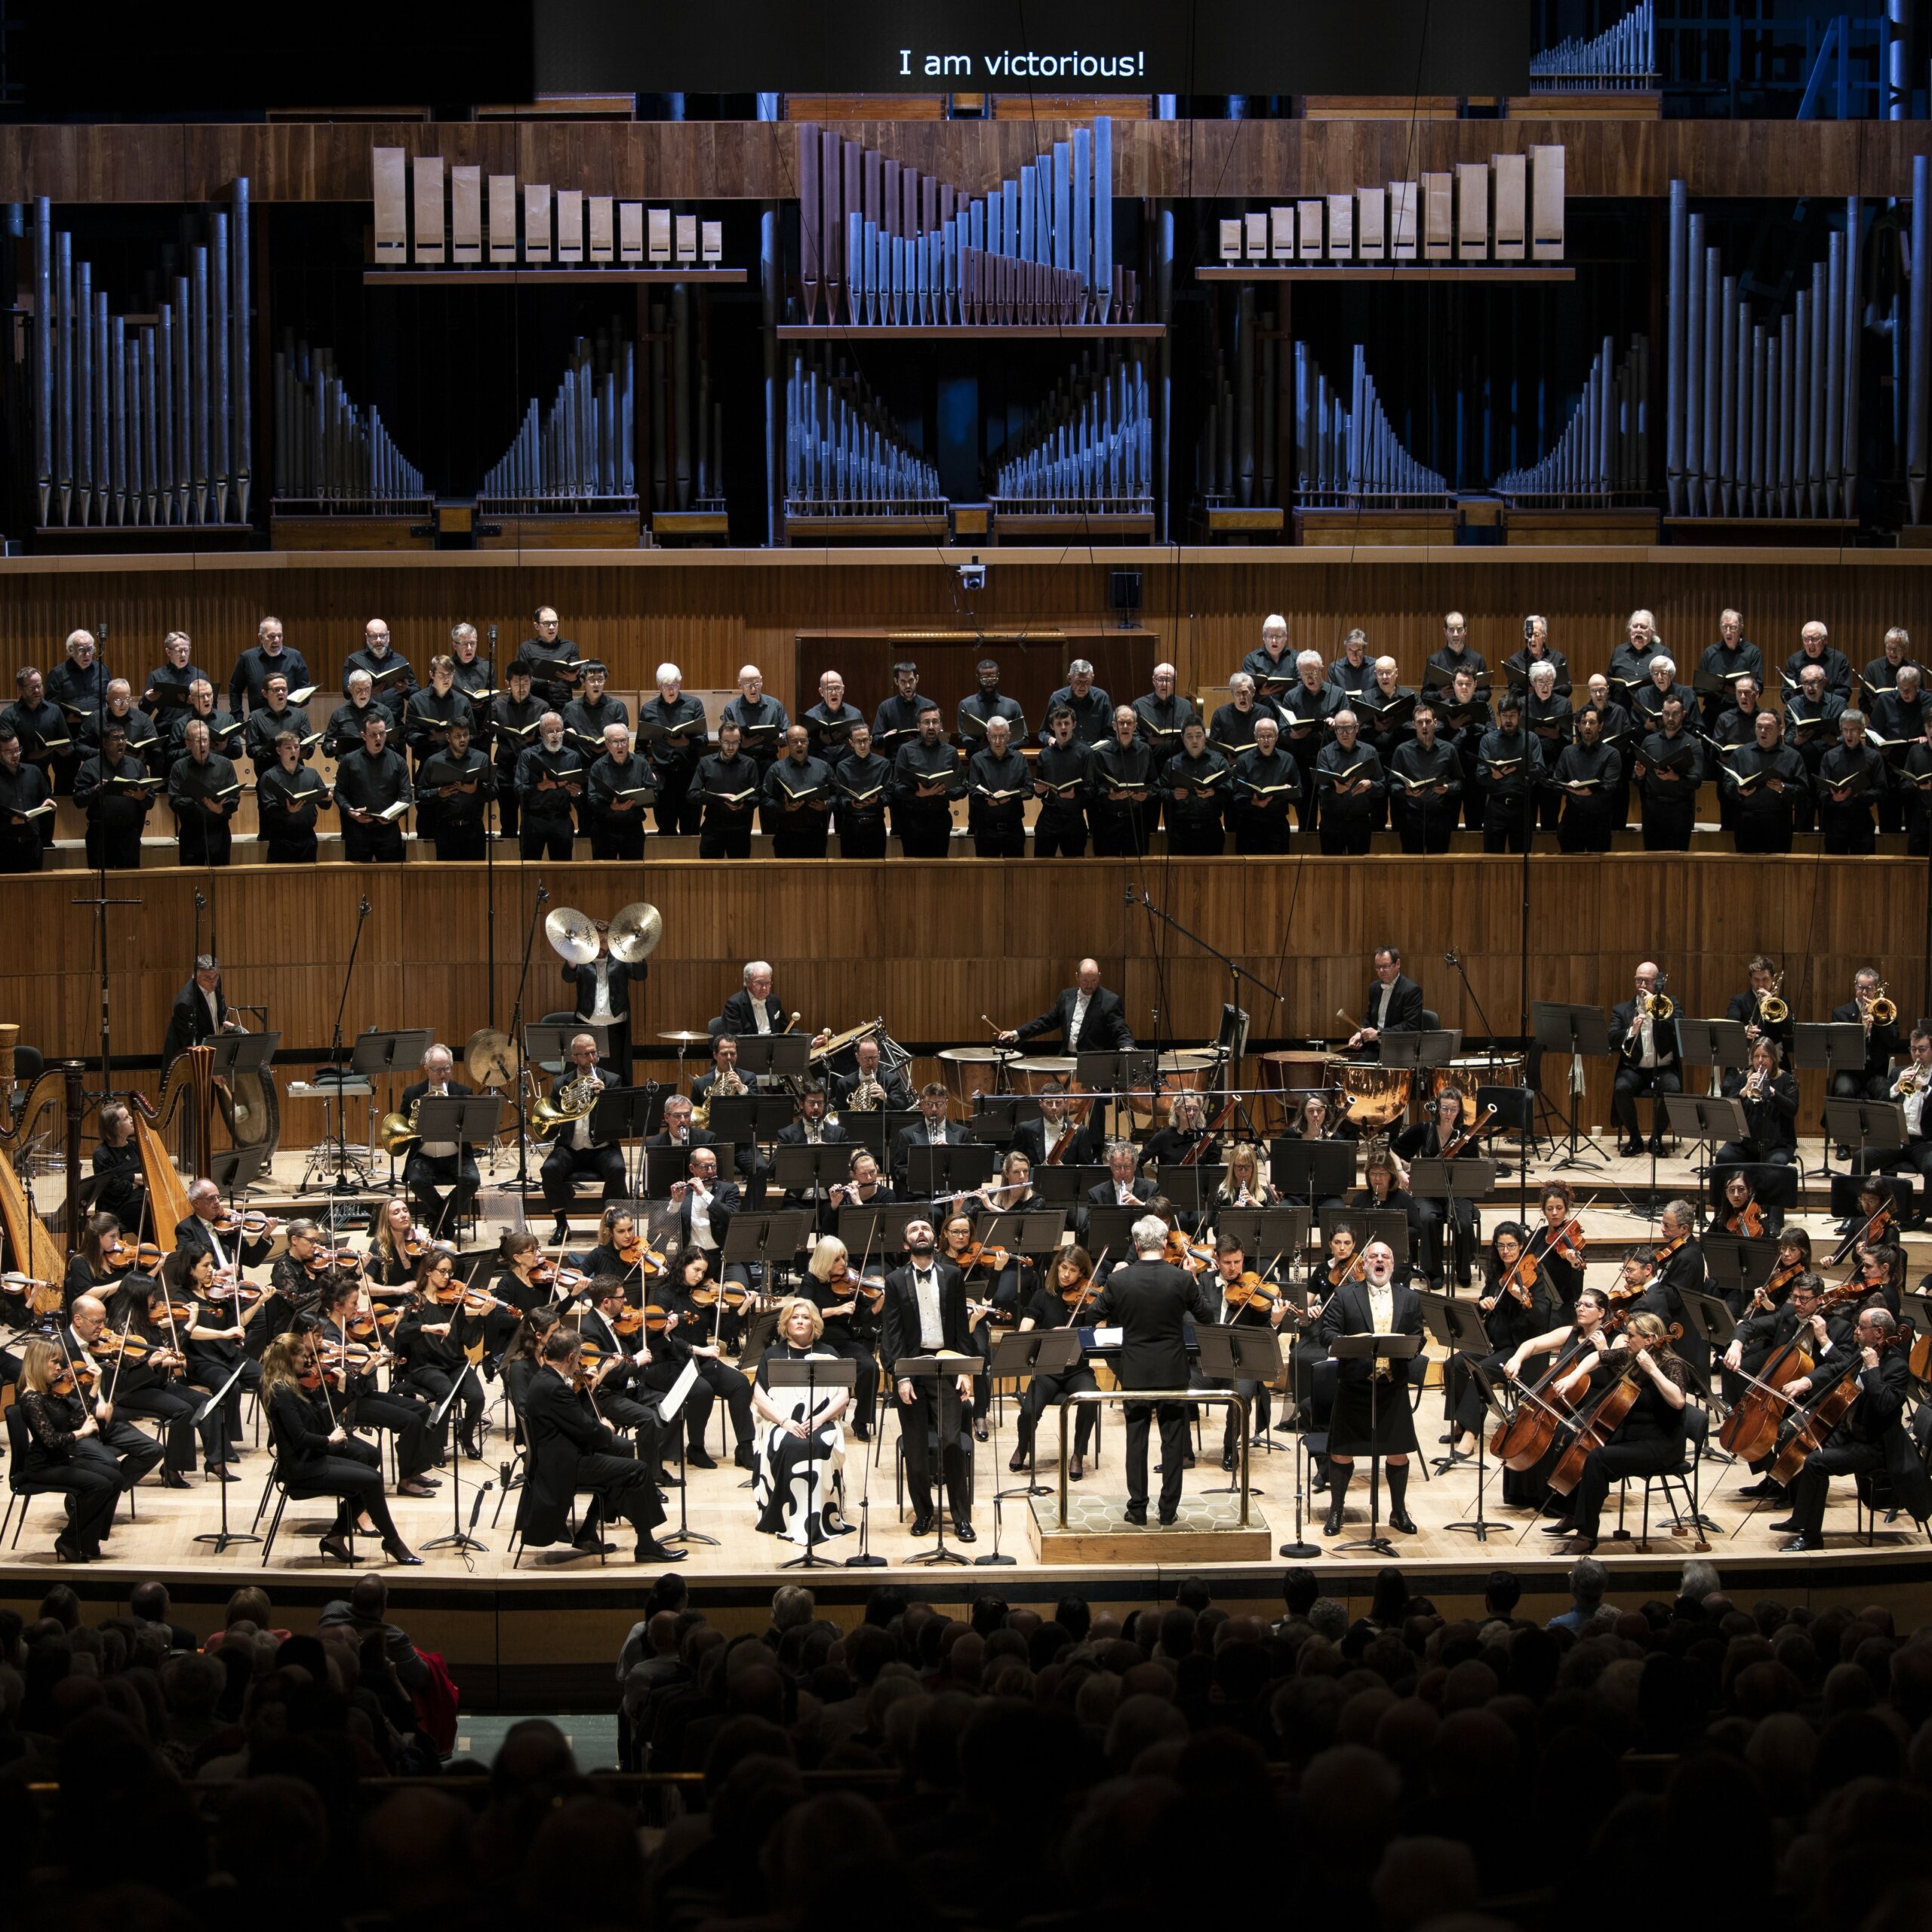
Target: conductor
[1151, 1302]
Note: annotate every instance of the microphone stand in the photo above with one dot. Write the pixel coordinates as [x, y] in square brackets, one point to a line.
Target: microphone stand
[335, 1061]
[516, 1034]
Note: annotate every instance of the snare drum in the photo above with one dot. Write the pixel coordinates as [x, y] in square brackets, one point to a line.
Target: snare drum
[1473, 1071]
[1374, 1097]
[972, 1070]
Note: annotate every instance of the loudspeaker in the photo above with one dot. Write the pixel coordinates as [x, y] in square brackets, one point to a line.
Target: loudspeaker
[1124, 594]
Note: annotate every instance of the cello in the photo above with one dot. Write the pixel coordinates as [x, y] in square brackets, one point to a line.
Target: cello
[1813, 1424]
[1530, 1433]
[1750, 1431]
[1604, 1415]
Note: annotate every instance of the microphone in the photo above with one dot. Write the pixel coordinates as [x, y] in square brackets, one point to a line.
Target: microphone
[1450, 959]
[362, 911]
[542, 895]
[1127, 897]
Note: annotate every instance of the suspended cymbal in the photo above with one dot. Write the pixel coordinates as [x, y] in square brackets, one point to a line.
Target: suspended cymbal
[571, 936]
[685, 1038]
[489, 1058]
[635, 931]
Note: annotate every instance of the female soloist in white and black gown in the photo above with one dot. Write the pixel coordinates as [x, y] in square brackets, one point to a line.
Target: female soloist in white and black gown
[798, 1482]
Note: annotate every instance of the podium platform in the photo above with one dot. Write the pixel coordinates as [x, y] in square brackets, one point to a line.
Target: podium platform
[1207, 1530]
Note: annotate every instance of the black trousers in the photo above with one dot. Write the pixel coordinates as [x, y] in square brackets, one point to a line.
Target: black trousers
[376, 845]
[444, 1187]
[1587, 829]
[1174, 1419]
[1647, 1456]
[201, 839]
[1847, 828]
[1632, 1081]
[677, 811]
[1345, 832]
[1667, 827]
[174, 1406]
[458, 838]
[506, 802]
[407, 1418]
[800, 835]
[1001, 840]
[117, 847]
[1060, 838]
[1507, 826]
[720, 840]
[619, 1486]
[854, 1348]
[1842, 1456]
[861, 834]
[1425, 831]
[434, 1382]
[135, 1452]
[1047, 1390]
[1446, 1236]
[562, 1166]
[631, 1411]
[923, 833]
[1120, 832]
[1860, 1087]
[23, 852]
[91, 1479]
[734, 1388]
[292, 848]
[614, 836]
[1194, 837]
[352, 1473]
[209, 1370]
[1751, 833]
[915, 1421]
[1260, 834]
[545, 838]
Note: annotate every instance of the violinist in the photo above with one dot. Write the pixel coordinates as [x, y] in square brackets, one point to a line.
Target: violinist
[88, 1344]
[65, 1452]
[207, 1227]
[848, 1299]
[301, 1271]
[1794, 1260]
[1558, 1245]
[349, 1347]
[629, 1373]
[438, 1342]
[1186, 1134]
[136, 1369]
[571, 1450]
[1369, 1422]
[122, 1188]
[695, 1337]
[316, 1453]
[1650, 1439]
[1770, 1100]
[1066, 1296]
[1442, 1130]
[90, 1268]
[1237, 1296]
[217, 1336]
[1740, 1214]
[396, 1245]
[958, 1249]
[619, 1250]
[524, 1355]
[1910, 1088]
[1245, 1185]
[1882, 1271]
[1518, 1302]
[1385, 1190]
[1803, 1317]
[1872, 1435]
[1677, 1264]
[1059, 1138]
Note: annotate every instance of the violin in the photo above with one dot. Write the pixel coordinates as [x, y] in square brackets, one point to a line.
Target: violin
[41, 1297]
[340, 1359]
[637, 1253]
[416, 1244]
[1079, 1293]
[251, 1224]
[342, 1259]
[869, 1286]
[1181, 1252]
[1749, 1221]
[1356, 1270]
[591, 1362]
[1517, 1283]
[141, 1257]
[176, 1314]
[1778, 1283]
[309, 1376]
[734, 1294]
[1567, 1242]
[1250, 1289]
[243, 1294]
[977, 1254]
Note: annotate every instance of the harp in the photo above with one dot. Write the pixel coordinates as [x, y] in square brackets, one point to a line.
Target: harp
[189, 1081]
[30, 1250]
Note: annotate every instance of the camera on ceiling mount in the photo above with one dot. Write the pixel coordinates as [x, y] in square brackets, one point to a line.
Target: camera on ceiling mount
[973, 576]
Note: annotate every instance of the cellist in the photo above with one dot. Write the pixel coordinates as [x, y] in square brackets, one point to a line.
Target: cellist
[1760, 1337]
[1650, 1439]
[1873, 1435]
[1584, 1333]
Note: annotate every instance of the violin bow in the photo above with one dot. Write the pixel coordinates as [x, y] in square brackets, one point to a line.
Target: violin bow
[1093, 1281]
[121, 1355]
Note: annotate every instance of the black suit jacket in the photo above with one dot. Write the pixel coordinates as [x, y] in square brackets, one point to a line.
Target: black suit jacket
[417, 1089]
[907, 1138]
[192, 1231]
[1151, 1303]
[900, 1318]
[740, 1017]
[1101, 1194]
[725, 1201]
[561, 1428]
[898, 1089]
[1348, 1313]
[1882, 1044]
[1105, 1030]
[1665, 1034]
[1743, 1008]
[188, 1024]
[1405, 1006]
[1030, 1138]
[584, 978]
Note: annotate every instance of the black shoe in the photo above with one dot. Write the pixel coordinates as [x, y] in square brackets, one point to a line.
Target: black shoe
[650, 1550]
[1630, 1150]
[592, 1546]
[979, 1432]
[964, 1532]
[664, 1479]
[697, 1459]
[68, 1552]
[1077, 1468]
[401, 1554]
[219, 1472]
[1227, 1460]
[1791, 1525]
[336, 1547]
[1763, 1486]
[862, 1431]
[1187, 1461]
[415, 1486]
[1400, 1519]
[746, 1458]
[560, 1234]
[922, 1526]
[1562, 1526]
[1657, 1146]
[173, 1479]
[1165, 1517]
[1137, 1512]
[1333, 1527]
[1798, 1544]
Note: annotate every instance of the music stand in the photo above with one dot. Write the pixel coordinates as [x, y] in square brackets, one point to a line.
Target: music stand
[1372, 1348]
[223, 1537]
[755, 1237]
[774, 1056]
[1280, 1233]
[1711, 1317]
[1737, 1261]
[1836, 1045]
[241, 1053]
[1110, 1230]
[1067, 1186]
[1019, 1359]
[760, 1327]
[944, 1371]
[235, 1168]
[1487, 1385]
[813, 1373]
[378, 1055]
[1192, 1190]
[1023, 1230]
[1698, 1117]
[881, 1231]
[1868, 1124]
[459, 1539]
[1458, 1327]
[806, 1169]
[1572, 1031]
[669, 1406]
[548, 1046]
[664, 1165]
[1417, 1050]
[866, 1129]
[993, 1127]
[1232, 1353]
[1715, 1044]
[1371, 1224]
[1312, 1169]
[745, 1118]
[954, 1168]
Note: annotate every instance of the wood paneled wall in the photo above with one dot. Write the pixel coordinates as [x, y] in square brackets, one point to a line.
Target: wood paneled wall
[932, 945]
[712, 161]
[712, 617]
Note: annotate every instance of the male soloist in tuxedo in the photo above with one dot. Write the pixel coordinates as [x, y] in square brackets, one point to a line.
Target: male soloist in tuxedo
[1151, 1303]
[442, 1176]
[924, 1312]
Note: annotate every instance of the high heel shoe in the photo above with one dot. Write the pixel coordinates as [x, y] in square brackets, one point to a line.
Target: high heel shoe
[337, 1547]
[69, 1552]
[399, 1552]
[173, 1479]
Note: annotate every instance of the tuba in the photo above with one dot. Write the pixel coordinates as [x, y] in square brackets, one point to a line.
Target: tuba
[397, 1132]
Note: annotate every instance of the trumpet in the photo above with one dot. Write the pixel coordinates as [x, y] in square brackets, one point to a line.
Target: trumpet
[1910, 1080]
[728, 1083]
[1773, 1011]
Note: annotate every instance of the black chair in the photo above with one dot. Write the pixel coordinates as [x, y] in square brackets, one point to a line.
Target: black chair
[1432, 1021]
[1684, 1482]
[286, 1493]
[21, 1488]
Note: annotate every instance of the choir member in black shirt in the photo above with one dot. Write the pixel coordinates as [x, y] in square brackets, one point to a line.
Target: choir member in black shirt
[24, 790]
[166, 690]
[1548, 718]
[454, 788]
[1350, 777]
[1455, 655]
[1386, 712]
[1271, 663]
[726, 789]
[829, 723]
[998, 785]
[1630, 662]
[987, 701]
[268, 720]
[225, 735]
[143, 740]
[896, 720]
[1733, 657]
[47, 740]
[1668, 770]
[618, 786]
[343, 733]
[556, 688]
[550, 778]
[431, 711]
[1163, 716]
[1193, 786]
[673, 756]
[1763, 779]
[1852, 779]
[1267, 782]
[593, 711]
[116, 791]
[926, 777]
[1122, 807]
[78, 685]
[1354, 670]
[1464, 720]
[203, 789]
[393, 683]
[515, 718]
[1092, 710]
[1231, 730]
[1061, 783]
[1509, 769]
[268, 656]
[476, 678]
[860, 783]
[1537, 649]
[1815, 647]
[761, 720]
[369, 784]
[1900, 717]
[798, 799]
[288, 795]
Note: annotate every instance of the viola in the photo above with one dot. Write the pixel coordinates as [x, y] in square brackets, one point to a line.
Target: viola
[1567, 1242]
[243, 1294]
[251, 1224]
[734, 1294]
[1517, 1283]
[868, 1285]
[1181, 1252]
[977, 1254]
[175, 1314]
[1778, 1283]
[1249, 1290]
[1749, 1221]
[309, 1376]
[1356, 1270]
[1079, 1293]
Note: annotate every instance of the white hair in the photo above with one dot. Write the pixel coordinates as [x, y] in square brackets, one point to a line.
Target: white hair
[1149, 1234]
[1543, 673]
[436, 1047]
[1241, 681]
[669, 674]
[1273, 618]
[361, 678]
[754, 967]
[1308, 657]
[1661, 658]
[1080, 668]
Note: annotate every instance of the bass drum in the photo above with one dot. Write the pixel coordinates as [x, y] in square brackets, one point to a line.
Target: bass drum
[253, 1112]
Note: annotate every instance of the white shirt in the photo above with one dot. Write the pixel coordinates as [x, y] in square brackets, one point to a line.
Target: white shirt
[580, 1132]
[1123, 1194]
[700, 1200]
[212, 1001]
[1915, 1109]
[1382, 1307]
[1383, 994]
[438, 1150]
[1646, 1041]
[932, 1324]
[602, 1011]
[1081, 1002]
[759, 1014]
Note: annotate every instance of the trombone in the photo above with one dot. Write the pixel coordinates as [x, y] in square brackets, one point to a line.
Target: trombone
[1880, 1010]
[1773, 1011]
